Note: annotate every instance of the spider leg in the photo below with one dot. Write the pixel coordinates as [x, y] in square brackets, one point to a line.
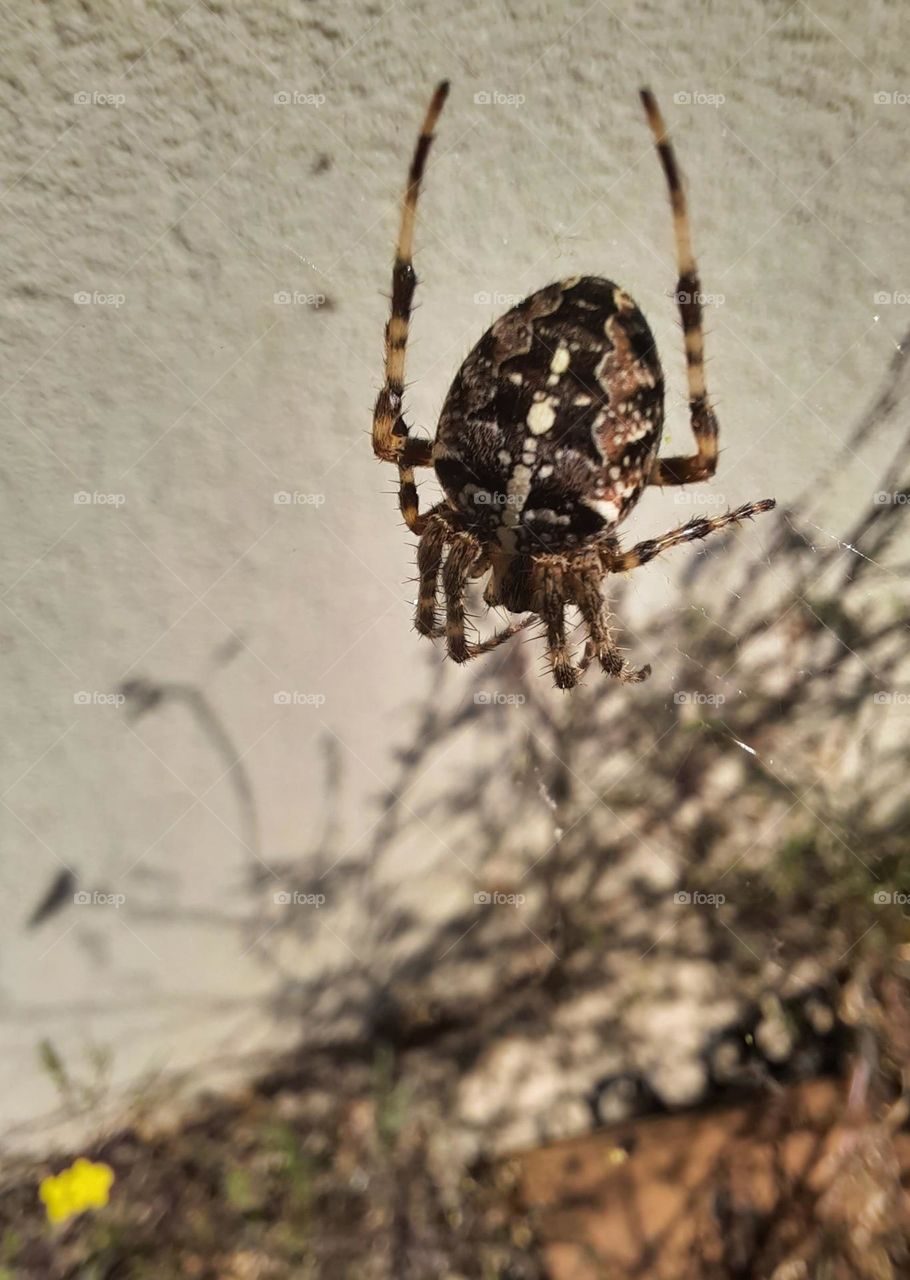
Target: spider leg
[513, 628]
[455, 575]
[390, 432]
[391, 441]
[701, 465]
[429, 560]
[586, 590]
[466, 563]
[408, 501]
[700, 527]
[553, 616]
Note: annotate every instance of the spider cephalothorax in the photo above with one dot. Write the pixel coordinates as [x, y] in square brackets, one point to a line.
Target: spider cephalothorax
[547, 438]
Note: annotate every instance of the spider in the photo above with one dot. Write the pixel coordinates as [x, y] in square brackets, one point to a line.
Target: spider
[547, 438]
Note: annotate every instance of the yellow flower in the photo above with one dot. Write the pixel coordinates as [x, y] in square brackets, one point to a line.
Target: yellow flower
[82, 1186]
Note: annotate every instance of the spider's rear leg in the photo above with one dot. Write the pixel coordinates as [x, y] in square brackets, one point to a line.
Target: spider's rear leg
[703, 464]
[700, 527]
[390, 431]
[416, 453]
[392, 441]
[586, 581]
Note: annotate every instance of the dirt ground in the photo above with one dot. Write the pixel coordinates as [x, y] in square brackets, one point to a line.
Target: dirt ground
[344, 1169]
[737, 1191]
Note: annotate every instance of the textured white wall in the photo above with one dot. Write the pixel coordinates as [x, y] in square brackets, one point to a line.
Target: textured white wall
[182, 190]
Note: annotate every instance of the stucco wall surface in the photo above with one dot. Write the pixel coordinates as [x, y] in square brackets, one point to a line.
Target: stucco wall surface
[199, 203]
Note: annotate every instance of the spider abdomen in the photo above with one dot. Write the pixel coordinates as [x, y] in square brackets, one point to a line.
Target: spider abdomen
[550, 429]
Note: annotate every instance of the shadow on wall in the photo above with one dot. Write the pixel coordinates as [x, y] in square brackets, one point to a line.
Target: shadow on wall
[627, 874]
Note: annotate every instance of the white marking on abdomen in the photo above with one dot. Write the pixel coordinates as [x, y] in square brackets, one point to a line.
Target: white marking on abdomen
[517, 489]
[604, 507]
[541, 417]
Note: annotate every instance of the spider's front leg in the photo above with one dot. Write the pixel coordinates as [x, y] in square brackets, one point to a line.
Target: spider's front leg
[458, 571]
[587, 576]
[432, 543]
[466, 560]
[552, 609]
